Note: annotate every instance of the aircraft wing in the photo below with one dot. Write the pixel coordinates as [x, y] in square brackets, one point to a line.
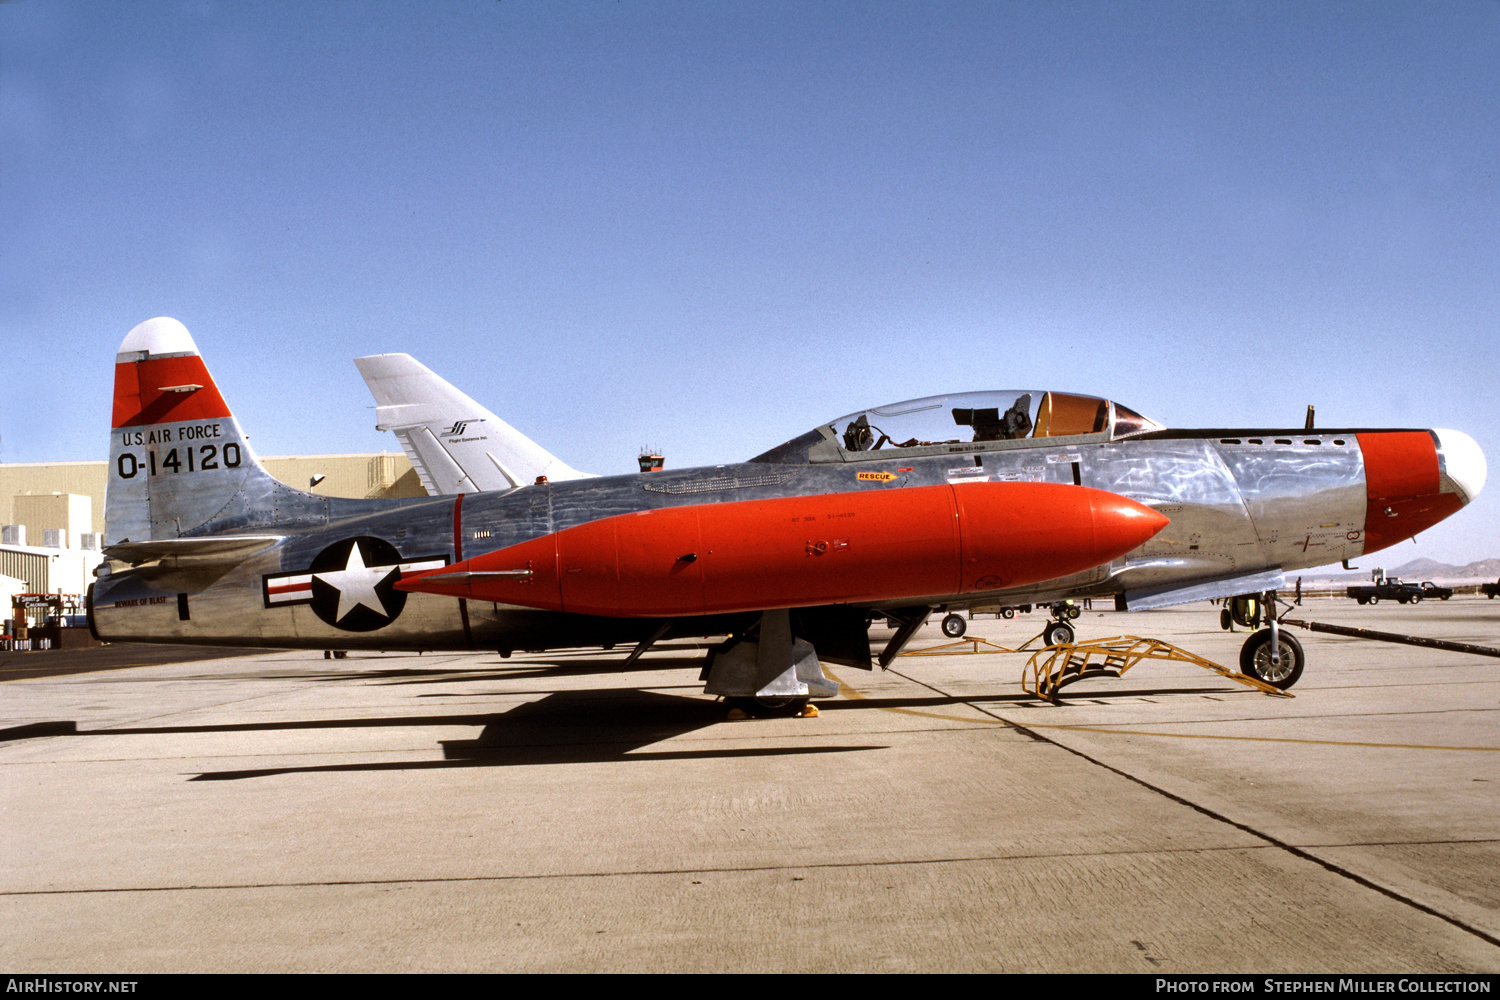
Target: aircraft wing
[1187, 591]
[455, 445]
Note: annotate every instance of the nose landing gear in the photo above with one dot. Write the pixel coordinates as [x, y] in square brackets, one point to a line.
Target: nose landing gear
[1280, 670]
[1270, 655]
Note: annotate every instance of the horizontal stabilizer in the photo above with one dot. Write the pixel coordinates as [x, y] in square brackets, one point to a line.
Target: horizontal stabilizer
[230, 549]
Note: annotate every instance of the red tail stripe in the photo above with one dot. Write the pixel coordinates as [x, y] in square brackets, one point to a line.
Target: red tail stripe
[139, 398]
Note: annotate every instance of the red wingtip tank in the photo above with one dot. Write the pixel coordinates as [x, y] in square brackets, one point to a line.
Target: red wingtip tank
[834, 548]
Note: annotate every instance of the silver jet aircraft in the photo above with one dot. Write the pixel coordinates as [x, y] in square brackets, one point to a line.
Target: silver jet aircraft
[973, 499]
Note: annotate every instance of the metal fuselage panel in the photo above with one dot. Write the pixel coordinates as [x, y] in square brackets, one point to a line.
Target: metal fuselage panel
[1307, 502]
[1233, 510]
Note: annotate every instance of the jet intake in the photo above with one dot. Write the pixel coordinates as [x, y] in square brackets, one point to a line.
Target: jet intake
[866, 547]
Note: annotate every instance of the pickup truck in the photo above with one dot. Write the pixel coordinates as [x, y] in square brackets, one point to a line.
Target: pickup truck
[1392, 589]
[1490, 589]
[1431, 590]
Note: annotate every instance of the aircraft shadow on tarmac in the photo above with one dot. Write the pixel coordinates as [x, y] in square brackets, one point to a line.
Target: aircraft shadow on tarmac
[499, 670]
[1021, 698]
[575, 727]
[588, 662]
[571, 727]
[406, 675]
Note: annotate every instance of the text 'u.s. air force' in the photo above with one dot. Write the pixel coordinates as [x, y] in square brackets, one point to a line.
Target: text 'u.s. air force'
[183, 456]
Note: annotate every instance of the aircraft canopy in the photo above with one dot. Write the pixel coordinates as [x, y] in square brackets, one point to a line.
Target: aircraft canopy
[986, 416]
[942, 423]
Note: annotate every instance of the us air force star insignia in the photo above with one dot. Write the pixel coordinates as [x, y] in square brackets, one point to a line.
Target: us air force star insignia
[356, 584]
[350, 584]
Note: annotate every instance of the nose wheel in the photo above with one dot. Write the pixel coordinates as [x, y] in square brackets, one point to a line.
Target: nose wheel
[1280, 671]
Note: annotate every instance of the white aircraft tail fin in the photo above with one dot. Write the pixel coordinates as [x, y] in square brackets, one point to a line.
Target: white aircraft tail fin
[455, 445]
[178, 459]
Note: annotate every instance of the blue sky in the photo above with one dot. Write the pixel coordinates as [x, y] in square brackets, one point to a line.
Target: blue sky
[707, 227]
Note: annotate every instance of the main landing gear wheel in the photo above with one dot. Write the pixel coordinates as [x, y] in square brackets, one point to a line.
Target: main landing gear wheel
[1255, 659]
[954, 626]
[1226, 621]
[1057, 633]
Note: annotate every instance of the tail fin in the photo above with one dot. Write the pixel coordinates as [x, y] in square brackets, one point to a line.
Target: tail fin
[456, 445]
[177, 460]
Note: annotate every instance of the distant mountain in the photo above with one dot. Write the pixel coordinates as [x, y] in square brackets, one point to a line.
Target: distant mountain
[1423, 567]
[1416, 571]
[1428, 569]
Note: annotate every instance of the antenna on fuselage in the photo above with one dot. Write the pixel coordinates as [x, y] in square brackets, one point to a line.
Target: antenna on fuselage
[1309, 424]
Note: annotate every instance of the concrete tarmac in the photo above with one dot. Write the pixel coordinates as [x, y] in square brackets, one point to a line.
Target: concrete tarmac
[282, 812]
